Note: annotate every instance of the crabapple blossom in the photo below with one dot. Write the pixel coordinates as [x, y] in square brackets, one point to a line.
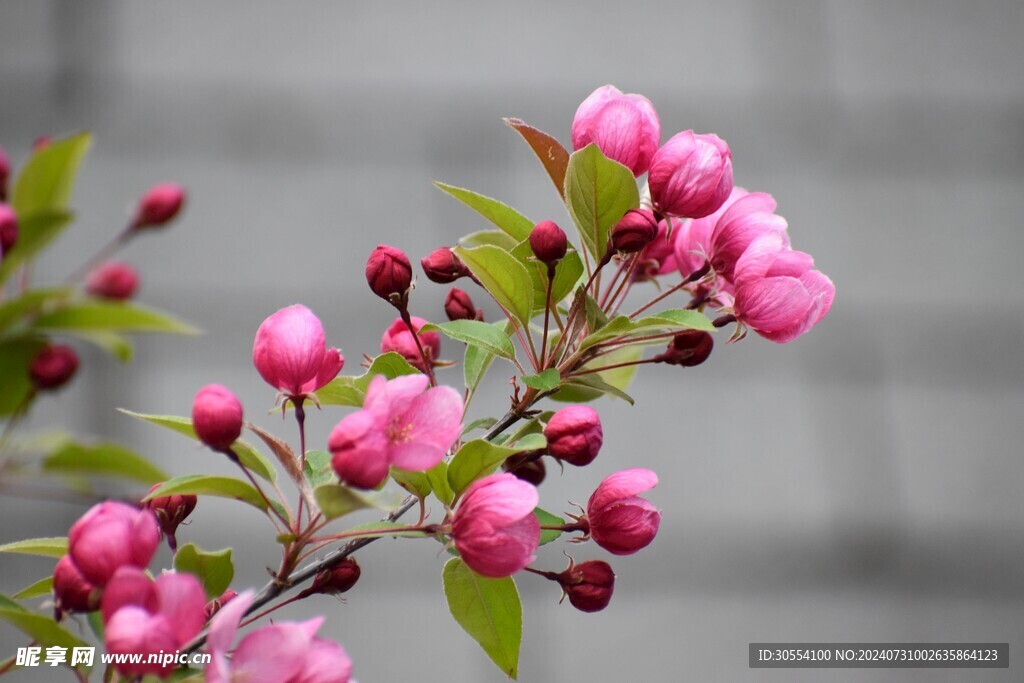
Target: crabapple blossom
[691, 175]
[494, 528]
[72, 591]
[290, 353]
[112, 280]
[53, 366]
[111, 535]
[688, 349]
[170, 512]
[398, 338]
[8, 229]
[749, 216]
[620, 522]
[548, 242]
[217, 416]
[158, 206]
[574, 435]
[634, 231]
[625, 127]
[458, 306]
[443, 266]
[589, 585]
[389, 274]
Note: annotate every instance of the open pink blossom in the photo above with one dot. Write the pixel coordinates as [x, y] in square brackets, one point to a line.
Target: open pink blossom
[747, 218]
[494, 528]
[398, 338]
[778, 294]
[620, 521]
[692, 239]
[290, 352]
[625, 127]
[691, 175]
[402, 423]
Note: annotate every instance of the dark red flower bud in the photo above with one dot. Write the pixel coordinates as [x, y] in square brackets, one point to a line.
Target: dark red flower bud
[158, 206]
[526, 466]
[636, 230]
[548, 242]
[589, 585]
[5, 173]
[112, 280]
[574, 435]
[337, 580]
[217, 416]
[458, 306]
[215, 605]
[389, 274]
[170, 511]
[443, 266]
[73, 592]
[8, 228]
[53, 366]
[688, 349]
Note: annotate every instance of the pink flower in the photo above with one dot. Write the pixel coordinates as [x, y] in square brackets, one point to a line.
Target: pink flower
[548, 242]
[111, 535]
[574, 435]
[290, 352]
[443, 266]
[691, 175]
[53, 366]
[625, 127]
[217, 416]
[389, 274]
[158, 206]
[285, 652]
[778, 294]
[112, 280]
[494, 528]
[71, 590]
[8, 229]
[402, 423]
[692, 238]
[399, 339]
[620, 522]
[748, 217]
[658, 256]
[634, 231]
[143, 616]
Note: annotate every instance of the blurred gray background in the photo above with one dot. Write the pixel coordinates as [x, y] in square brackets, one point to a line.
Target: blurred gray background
[861, 484]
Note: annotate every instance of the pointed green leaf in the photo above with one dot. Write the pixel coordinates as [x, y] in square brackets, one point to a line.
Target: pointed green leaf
[103, 458]
[318, 467]
[30, 303]
[494, 238]
[547, 519]
[38, 589]
[35, 232]
[48, 176]
[213, 568]
[665, 321]
[505, 217]
[47, 547]
[381, 529]
[117, 346]
[477, 333]
[567, 274]
[545, 381]
[416, 483]
[351, 391]
[112, 316]
[210, 485]
[598, 193]
[478, 458]
[489, 610]
[504, 277]
[15, 357]
[549, 151]
[336, 500]
[438, 476]
[39, 627]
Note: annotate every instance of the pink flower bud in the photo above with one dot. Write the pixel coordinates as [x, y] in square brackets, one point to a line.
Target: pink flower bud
[399, 339]
[620, 522]
[158, 206]
[129, 586]
[72, 592]
[749, 216]
[389, 274]
[443, 266]
[589, 585]
[216, 417]
[215, 605]
[691, 175]
[5, 174]
[41, 143]
[526, 466]
[574, 435]
[625, 127]
[548, 242]
[111, 535]
[458, 306]
[337, 580]
[658, 257]
[636, 230]
[171, 511]
[112, 280]
[290, 352]
[53, 366]
[688, 349]
[494, 528]
[8, 229]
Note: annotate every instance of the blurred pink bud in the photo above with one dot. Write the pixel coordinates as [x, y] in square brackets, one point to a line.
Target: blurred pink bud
[689, 349]
[634, 231]
[589, 585]
[158, 206]
[216, 416]
[71, 591]
[398, 338]
[494, 528]
[548, 242]
[458, 306]
[111, 535]
[778, 295]
[215, 605]
[526, 466]
[5, 174]
[443, 266]
[389, 274]
[620, 522]
[749, 216]
[290, 352]
[402, 423]
[8, 229]
[625, 127]
[574, 435]
[691, 175]
[112, 280]
[336, 580]
[41, 143]
[171, 511]
[657, 257]
[53, 366]
[129, 586]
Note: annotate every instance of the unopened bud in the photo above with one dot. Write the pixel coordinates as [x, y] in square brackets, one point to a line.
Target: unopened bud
[589, 585]
[548, 242]
[5, 174]
[8, 228]
[217, 416]
[73, 592]
[53, 366]
[636, 230]
[526, 466]
[215, 605]
[41, 143]
[443, 266]
[336, 580]
[574, 435]
[458, 306]
[113, 280]
[389, 274]
[158, 206]
[170, 511]
[688, 349]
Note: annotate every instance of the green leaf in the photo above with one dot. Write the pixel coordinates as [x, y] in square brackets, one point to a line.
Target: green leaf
[318, 468]
[598, 193]
[482, 423]
[549, 151]
[335, 500]
[213, 568]
[438, 476]
[111, 342]
[545, 381]
[35, 232]
[478, 334]
[48, 176]
[478, 360]
[56, 546]
[103, 458]
[416, 483]
[504, 277]
[489, 610]
[15, 357]
[38, 589]
[210, 485]
[494, 238]
[478, 458]
[505, 217]
[587, 388]
[351, 391]
[112, 316]
[30, 303]
[596, 318]
[665, 321]
[567, 274]
[547, 519]
[40, 628]
[385, 530]
[251, 459]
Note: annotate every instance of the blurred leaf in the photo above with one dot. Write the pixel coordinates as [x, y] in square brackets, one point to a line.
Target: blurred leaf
[478, 334]
[335, 500]
[596, 318]
[213, 568]
[567, 274]
[30, 303]
[56, 546]
[545, 381]
[598, 193]
[505, 217]
[416, 483]
[478, 458]
[385, 530]
[35, 232]
[48, 176]
[495, 238]
[38, 589]
[547, 519]
[111, 342]
[112, 316]
[504, 277]
[549, 151]
[210, 485]
[318, 467]
[103, 458]
[482, 423]
[15, 358]
[351, 391]
[40, 628]
[489, 610]
[438, 476]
